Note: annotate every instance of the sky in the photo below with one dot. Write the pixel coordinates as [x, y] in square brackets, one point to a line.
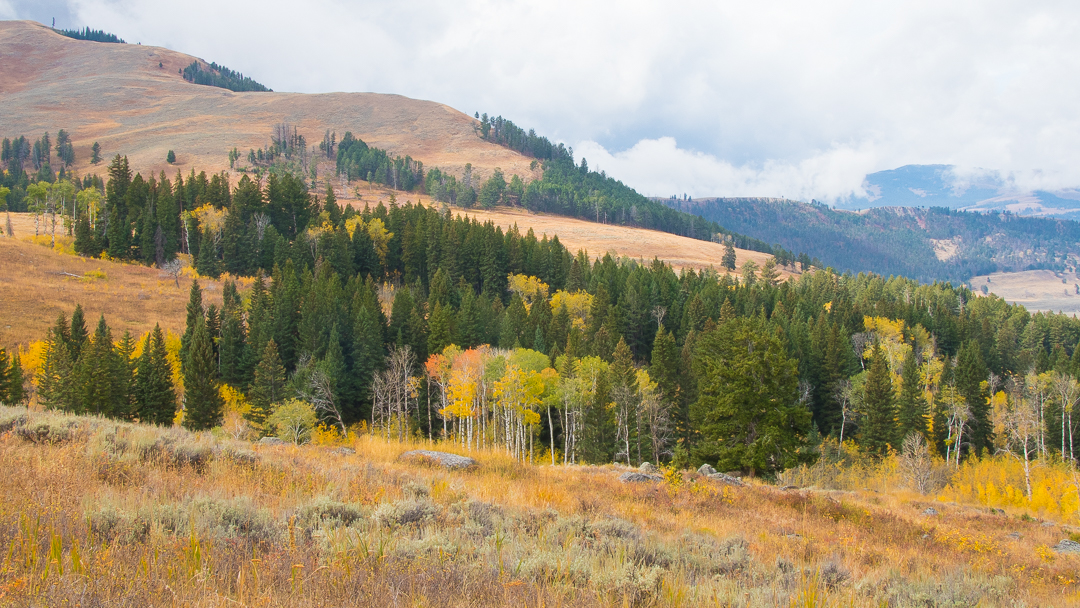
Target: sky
[718, 98]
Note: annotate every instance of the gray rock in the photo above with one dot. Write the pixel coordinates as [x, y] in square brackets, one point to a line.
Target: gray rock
[786, 488]
[1067, 546]
[930, 511]
[648, 468]
[632, 477]
[706, 470]
[1014, 535]
[344, 451]
[725, 478]
[271, 441]
[444, 459]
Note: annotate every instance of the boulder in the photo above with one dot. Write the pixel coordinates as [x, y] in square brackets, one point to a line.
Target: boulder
[632, 477]
[648, 468]
[344, 451]
[930, 511]
[271, 441]
[1067, 546]
[706, 470]
[443, 459]
[725, 478]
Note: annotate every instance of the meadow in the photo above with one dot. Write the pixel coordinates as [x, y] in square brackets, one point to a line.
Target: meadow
[98, 512]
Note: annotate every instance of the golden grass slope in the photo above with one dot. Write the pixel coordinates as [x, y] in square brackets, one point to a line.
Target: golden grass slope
[117, 95]
[36, 285]
[1036, 290]
[97, 512]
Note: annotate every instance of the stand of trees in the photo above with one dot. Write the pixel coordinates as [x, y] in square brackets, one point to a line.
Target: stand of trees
[93, 35]
[215, 75]
[419, 323]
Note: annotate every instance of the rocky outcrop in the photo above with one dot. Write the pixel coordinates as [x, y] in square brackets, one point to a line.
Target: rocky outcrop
[443, 459]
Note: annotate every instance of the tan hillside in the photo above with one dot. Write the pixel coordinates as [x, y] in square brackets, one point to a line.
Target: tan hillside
[38, 283]
[1036, 290]
[117, 95]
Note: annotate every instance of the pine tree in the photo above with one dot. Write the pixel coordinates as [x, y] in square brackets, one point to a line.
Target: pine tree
[154, 386]
[97, 374]
[268, 387]
[728, 261]
[16, 381]
[55, 379]
[879, 425]
[912, 408]
[971, 372]
[5, 377]
[195, 312]
[126, 403]
[664, 365]
[79, 334]
[439, 329]
[203, 406]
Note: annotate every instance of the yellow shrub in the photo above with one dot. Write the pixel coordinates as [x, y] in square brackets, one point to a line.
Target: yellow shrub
[92, 275]
[999, 482]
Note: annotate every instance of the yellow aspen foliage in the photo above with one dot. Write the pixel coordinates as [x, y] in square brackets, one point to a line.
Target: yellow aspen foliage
[999, 482]
[380, 237]
[353, 223]
[210, 218]
[577, 304]
[529, 289]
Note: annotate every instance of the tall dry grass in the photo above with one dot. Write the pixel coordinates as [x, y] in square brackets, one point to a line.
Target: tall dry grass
[95, 512]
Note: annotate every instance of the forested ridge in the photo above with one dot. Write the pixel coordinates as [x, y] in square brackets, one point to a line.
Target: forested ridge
[411, 321]
[900, 241]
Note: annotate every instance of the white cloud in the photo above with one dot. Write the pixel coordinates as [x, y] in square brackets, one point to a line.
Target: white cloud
[776, 97]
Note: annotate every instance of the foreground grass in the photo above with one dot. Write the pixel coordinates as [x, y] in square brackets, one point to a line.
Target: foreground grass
[94, 512]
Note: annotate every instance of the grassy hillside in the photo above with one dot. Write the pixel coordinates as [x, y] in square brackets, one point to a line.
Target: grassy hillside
[134, 100]
[927, 244]
[38, 283]
[96, 512]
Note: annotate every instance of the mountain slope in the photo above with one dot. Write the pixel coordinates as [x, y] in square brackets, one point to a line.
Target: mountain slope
[923, 243]
[133, 100]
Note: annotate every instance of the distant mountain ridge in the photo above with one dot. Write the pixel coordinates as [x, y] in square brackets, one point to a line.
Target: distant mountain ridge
[944, 186]
[928, 244]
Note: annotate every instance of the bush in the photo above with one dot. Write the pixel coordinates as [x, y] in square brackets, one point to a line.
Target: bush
[405, 512]
[293, 421]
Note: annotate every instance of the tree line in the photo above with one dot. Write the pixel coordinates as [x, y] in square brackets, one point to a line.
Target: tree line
[93, 35]
[215, 75]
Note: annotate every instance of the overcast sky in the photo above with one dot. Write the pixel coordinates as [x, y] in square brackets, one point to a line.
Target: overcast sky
[766, 98]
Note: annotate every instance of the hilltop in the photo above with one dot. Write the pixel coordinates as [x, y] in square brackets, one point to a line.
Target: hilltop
[133, 100]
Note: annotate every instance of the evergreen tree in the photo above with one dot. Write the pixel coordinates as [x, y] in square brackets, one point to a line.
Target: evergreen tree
[439, 328]
[16, 381]
[748, 414]
[912, 408]
[728, 261]
[55, 379]
[156, 396]
[971, 372]
[203, 406]
[267, 388]
[5, 377]
[879, 423]
[664, 366]
[126, 404]
[98, 372]
[79, 334]
[195, 313]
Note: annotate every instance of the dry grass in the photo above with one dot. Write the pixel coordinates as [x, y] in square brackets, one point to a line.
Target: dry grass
[36, 286]
[575, 234]
[117, 95]
[98, 517]
[1037, 290]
